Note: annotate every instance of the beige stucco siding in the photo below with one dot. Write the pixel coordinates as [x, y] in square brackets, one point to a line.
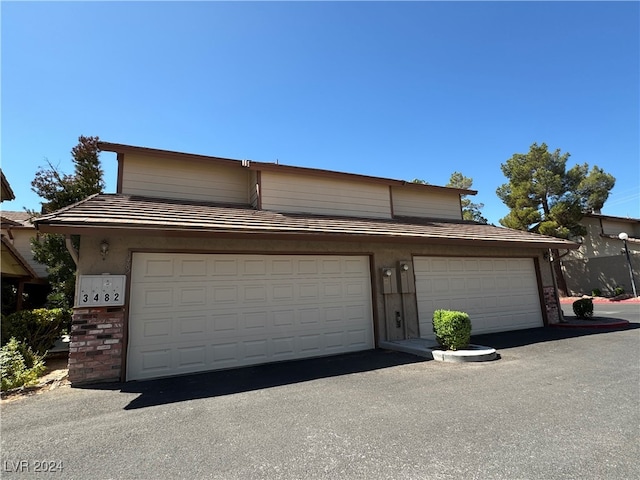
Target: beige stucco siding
[413, 202]
[184, 180]
[323, 196]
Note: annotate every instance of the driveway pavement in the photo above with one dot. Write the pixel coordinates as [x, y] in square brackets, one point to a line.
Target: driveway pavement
[558, 404]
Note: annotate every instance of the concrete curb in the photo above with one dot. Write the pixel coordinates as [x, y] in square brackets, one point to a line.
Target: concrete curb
[591, 324]
[426, 348]
[473, 353]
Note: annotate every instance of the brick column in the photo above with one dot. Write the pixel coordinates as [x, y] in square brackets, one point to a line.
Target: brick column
[551, 304]
[95, 350]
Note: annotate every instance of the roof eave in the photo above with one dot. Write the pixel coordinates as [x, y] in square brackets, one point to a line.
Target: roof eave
[277, 234]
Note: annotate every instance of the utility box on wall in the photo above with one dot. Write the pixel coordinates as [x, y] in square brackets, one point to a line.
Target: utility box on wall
[389, 281]
[407, 283]
[101, 290]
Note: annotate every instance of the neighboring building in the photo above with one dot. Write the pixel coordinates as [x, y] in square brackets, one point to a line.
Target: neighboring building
[600, 262]
[19, 270]
[231, 263]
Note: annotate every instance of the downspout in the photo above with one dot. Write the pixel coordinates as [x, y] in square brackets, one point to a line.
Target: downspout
[71, 249]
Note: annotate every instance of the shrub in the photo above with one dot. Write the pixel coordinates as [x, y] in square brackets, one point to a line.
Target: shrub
[618, 291]
[39, 328]
[583, 308]
[452, 329]
[596, 292]
[19, 365]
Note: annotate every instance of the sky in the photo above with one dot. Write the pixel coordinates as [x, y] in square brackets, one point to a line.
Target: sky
[399, 90]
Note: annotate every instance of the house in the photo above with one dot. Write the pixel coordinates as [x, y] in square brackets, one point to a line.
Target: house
[601, 262]
[17, 231]
[220, 263]
[19, 270]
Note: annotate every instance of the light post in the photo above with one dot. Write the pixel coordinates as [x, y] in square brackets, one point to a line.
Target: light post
[623, 236]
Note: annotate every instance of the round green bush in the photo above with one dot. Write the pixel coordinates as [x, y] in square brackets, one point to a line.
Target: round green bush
[452, 329]
[583, 308]
[618, 291]
[596, 292]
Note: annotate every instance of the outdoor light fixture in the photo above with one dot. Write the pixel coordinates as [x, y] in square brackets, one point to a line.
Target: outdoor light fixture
[387, 272]
[624, 237]
[104, 249]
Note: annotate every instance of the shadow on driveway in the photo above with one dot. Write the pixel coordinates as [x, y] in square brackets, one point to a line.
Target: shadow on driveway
[520, 338]
[225, 382]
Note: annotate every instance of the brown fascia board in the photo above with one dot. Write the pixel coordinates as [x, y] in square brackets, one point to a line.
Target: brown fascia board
[6, 188]
[209, 233]
[611, 217]
[273, 167]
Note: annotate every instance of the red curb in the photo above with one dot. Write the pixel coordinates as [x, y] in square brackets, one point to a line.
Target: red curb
[598, 300]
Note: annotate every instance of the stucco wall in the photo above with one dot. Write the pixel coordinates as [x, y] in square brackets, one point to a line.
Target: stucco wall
[604, 273]
[382, 254]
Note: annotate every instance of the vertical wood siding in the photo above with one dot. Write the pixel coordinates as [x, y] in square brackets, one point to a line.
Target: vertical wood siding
[323, 196]
[412, 202]
[184, 180]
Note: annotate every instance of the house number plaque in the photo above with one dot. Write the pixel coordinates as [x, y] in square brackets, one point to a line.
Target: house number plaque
[101, 290]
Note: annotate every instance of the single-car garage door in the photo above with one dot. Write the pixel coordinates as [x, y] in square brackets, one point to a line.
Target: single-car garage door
[198, 312]
[499, 294]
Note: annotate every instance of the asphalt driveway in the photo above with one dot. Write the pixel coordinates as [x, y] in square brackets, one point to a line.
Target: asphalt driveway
[557, 404]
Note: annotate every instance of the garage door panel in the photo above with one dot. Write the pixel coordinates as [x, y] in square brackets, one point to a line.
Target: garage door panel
[499, 294]
[191, 268]
[221, 311]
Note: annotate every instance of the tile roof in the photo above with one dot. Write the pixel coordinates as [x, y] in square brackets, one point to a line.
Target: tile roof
[138, 214]
[16, 218]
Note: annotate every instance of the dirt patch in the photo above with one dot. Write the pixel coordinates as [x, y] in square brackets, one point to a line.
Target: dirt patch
[55, 376]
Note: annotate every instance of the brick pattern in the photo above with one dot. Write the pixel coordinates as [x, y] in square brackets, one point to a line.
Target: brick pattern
[95, 350]
[551, 303]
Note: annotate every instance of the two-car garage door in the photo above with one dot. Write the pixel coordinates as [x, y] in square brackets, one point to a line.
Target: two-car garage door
[198, 312]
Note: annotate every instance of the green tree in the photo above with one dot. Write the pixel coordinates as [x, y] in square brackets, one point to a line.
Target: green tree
[60, 190]
[544, 197]
[470, 210]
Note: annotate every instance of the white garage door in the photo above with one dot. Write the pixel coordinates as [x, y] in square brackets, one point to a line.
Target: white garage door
[499, 294]
[198, 312]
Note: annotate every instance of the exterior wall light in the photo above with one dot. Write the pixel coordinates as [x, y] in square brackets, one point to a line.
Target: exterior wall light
[404, 266]
[104, 249]
[624, 237]
[387, 272]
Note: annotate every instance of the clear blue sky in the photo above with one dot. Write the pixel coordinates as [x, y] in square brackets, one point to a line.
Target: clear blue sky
[399, 90]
